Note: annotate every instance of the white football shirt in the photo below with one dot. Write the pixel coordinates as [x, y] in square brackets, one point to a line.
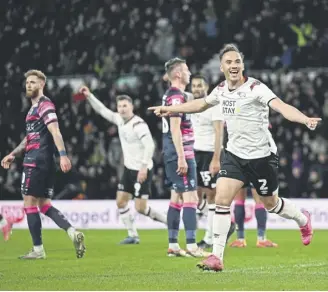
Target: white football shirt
[204, 132]
[246, 113]
[136, 140]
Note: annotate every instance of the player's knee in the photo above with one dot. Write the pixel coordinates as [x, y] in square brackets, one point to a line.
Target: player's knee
[223, 200]
[43, 202]
[122, 199]
[210, 196]
[44, 205]
[190, 197]
[140, 205]
[176, 198]
[200, 194]
[30, 201]
[121, 202]
[241, 195]
[269, 202]
[140, 208]
[256, 196]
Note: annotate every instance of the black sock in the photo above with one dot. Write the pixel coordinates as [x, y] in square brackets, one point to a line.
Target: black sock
[34, 224]
[56, 216]
[239, 212]
[190, 222]
[173, 222]
[261, 218]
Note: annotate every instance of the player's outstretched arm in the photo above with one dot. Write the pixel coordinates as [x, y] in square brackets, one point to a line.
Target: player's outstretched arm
[98, 106]
[194, 106]
[65, 163]
[293, 114]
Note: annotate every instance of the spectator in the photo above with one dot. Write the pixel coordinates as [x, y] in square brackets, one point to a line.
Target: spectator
[123, 45]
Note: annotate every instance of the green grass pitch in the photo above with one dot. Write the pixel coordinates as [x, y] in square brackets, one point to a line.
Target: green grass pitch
[108, 266]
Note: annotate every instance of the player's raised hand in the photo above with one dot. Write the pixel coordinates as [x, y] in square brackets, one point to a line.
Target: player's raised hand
[312, 123]
[85, 91]
[7, 160]
[182, 166]
[65, 164]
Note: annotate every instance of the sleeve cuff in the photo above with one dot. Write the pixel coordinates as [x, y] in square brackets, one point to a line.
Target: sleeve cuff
[268, 103]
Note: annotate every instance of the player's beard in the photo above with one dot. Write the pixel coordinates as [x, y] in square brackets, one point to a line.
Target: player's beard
[200, 95]
[32, 94]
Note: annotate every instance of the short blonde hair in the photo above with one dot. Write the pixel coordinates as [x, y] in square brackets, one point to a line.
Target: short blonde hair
[170, 65]
[124, 97]
[36, 73]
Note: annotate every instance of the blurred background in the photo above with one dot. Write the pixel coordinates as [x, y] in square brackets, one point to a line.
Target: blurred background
[120, 47]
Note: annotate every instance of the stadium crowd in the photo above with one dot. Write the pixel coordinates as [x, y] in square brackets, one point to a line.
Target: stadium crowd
[100, 39]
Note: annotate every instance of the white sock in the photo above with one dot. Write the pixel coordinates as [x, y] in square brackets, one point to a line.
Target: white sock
[286, 209]
[155, 215]
[174, 246]
[71, 231]
[221, 226]
[192, 246]
[208, 238]
[3, 222]
[202, 208]
[128, 221]
[38, 248]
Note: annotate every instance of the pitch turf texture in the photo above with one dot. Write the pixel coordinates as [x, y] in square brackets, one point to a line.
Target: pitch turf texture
[108, 266]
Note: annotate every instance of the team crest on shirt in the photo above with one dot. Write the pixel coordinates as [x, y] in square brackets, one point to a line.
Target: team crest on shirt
[241, 94]
[30, 112]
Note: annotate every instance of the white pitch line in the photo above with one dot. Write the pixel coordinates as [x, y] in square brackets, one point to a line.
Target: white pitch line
[266, 269]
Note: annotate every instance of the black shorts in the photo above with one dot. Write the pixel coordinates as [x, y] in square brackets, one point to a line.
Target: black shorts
[38, 182]
[204, 178]
[181, 184]
[262, 173]
[128, 183]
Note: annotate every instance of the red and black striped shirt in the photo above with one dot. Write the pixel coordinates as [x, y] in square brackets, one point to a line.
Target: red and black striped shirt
[175, 96]
[40, 147]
